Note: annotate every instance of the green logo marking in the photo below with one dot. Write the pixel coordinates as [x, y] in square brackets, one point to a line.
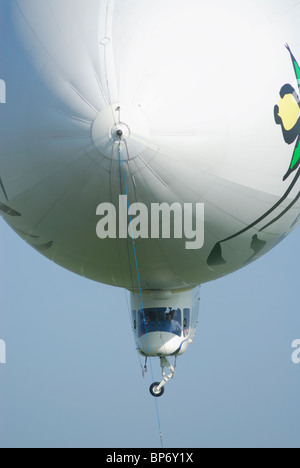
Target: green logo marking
[287, 114]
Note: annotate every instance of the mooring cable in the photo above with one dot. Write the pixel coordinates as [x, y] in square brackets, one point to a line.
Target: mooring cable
[140, 292]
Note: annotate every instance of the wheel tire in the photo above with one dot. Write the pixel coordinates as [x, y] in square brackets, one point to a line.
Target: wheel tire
[153, 390]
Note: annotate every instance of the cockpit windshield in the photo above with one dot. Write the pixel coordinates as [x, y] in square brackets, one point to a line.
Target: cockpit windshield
[160, 319]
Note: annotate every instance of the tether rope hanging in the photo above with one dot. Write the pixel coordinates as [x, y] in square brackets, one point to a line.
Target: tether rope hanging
[140, 291]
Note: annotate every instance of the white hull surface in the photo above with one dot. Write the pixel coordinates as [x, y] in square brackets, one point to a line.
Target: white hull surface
[193, 86]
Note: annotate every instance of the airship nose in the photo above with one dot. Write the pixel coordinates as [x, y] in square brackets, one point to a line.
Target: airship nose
[120, 127]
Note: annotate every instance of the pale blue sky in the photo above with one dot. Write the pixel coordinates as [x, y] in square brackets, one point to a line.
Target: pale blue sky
[72, 377]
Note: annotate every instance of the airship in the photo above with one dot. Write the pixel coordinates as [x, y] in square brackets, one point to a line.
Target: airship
[151, 146]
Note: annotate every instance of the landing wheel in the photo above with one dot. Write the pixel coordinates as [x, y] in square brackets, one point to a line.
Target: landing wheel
[153, 390]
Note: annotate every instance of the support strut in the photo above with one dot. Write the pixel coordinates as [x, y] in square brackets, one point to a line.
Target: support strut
[157, 388]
